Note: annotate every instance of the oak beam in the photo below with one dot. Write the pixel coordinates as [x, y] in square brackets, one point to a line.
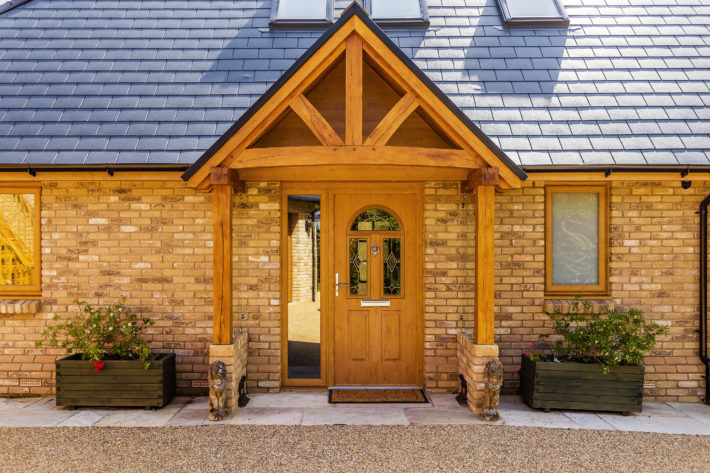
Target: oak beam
[480, 177]
[392, 121]
[315, 121]
[344, 155]
[353, 90]
[485, 264]
[222, 186]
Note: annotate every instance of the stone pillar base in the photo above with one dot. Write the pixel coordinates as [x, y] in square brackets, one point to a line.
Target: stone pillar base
[472, 363]
[234, 356]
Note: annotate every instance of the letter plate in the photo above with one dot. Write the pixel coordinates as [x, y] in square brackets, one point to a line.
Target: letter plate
[374, 303]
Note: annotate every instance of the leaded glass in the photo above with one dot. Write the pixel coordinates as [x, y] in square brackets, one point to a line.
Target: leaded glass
[575, 238]
[392, 260]
[375, 219]
[358, 266]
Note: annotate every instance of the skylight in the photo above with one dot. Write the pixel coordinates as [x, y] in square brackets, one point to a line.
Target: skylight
[529, 13]
[302, 12]
[397, 10]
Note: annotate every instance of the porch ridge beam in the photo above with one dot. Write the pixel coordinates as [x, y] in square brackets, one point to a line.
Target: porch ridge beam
[223, 181]
[315, 121]
[392, 121]
[353, 90]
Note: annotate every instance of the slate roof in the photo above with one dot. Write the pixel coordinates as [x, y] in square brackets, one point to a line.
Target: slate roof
[122, 81]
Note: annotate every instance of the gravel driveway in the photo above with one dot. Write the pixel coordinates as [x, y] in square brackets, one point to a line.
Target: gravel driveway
[225, 448]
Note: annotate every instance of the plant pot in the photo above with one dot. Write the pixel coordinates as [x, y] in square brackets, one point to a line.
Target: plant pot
[580, 386]
[121, 383]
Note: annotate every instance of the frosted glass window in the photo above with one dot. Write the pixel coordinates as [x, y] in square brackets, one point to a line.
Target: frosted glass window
[396, 9]
[302, 10]
[575, 238]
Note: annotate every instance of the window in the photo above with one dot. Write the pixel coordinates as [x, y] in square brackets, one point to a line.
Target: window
[301, 12]
[527, 13]
[402, 12]
[19, 242]
[320, 12]
[576, 240]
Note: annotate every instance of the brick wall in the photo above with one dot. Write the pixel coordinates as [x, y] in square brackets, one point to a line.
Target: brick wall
[257, 279]
[449, 273]
[301, 279]
[653, 267]
[149, 241]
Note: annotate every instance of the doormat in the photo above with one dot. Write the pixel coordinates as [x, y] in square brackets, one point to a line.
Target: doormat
[365, 395]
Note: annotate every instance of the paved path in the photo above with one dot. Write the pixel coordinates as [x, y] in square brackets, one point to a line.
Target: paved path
[312, 408]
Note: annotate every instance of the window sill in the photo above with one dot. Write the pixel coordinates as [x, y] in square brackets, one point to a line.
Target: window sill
[19, 306]
[295, 24]
[562, 305]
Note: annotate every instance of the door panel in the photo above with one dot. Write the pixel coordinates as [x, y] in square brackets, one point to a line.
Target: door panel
[375, 238]
[391, 336]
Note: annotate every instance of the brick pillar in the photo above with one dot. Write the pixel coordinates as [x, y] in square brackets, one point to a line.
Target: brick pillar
[472, 363]
[234, 357]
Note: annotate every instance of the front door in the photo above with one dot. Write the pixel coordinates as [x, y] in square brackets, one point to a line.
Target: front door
[376, 246]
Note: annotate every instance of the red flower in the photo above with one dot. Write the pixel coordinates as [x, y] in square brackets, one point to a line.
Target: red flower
[99, 365]
[527, 353]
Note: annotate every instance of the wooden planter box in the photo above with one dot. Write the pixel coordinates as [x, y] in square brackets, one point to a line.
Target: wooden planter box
[579, 386]
[122, 383]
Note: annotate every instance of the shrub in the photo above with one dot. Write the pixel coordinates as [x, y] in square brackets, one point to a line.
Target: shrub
[102, 333]
[618, 338]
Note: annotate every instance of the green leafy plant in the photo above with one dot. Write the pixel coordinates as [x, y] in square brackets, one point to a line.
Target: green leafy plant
[614, 339]
[102, 333]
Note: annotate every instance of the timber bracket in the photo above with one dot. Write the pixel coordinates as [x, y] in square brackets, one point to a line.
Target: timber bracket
[480, 177]
[222, 176]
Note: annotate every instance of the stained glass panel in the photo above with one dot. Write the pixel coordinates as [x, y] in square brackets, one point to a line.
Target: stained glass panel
[358, 266]
[392, 260]
[375, 219]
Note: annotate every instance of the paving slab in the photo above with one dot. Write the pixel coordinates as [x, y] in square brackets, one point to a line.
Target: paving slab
[85, 418]
[14, 403]
[289, 399]
[658, 424]
[660, 409]
[140, 417]
[554, 420]
[696, 411]
[266, 416]
[585, 420]
[355, 416]
[25, 418]
[442, 417]
[186, 417]
[445, 401]
[199, 402]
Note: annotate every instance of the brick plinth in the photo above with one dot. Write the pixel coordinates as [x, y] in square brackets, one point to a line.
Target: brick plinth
[234, 356]
[472, 359]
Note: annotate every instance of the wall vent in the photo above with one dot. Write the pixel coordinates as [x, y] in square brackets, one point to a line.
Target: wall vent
[200, 383]
[30, 383]
[649, 384]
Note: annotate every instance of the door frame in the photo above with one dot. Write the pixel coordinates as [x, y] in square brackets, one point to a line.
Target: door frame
[327, 190]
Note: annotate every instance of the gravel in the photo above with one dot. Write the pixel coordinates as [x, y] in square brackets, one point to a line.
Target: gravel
[221, 448]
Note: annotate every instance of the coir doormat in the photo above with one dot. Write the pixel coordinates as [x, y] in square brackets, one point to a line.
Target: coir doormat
[365, 395]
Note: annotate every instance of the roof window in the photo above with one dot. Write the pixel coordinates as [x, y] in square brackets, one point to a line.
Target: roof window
[398, 12]
[301, 12]
[527, 13]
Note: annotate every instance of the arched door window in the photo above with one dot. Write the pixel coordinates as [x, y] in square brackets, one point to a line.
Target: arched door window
[375, 234]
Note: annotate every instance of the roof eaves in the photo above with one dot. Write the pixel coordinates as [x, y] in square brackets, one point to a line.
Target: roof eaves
[11, 4]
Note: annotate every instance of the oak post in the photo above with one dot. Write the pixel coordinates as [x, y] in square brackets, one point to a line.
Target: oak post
[353, 91]
[485, 264]
[223, 180]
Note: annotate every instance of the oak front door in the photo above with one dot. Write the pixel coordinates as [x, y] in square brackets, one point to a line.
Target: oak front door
[376, 247]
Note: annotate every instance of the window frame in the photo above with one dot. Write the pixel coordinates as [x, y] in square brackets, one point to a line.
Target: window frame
[602, 288]
[34, 289]
[421, 21]
[526, 22]
[275, 21]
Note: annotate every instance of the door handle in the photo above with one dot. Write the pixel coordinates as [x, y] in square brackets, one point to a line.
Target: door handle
[339, 284]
